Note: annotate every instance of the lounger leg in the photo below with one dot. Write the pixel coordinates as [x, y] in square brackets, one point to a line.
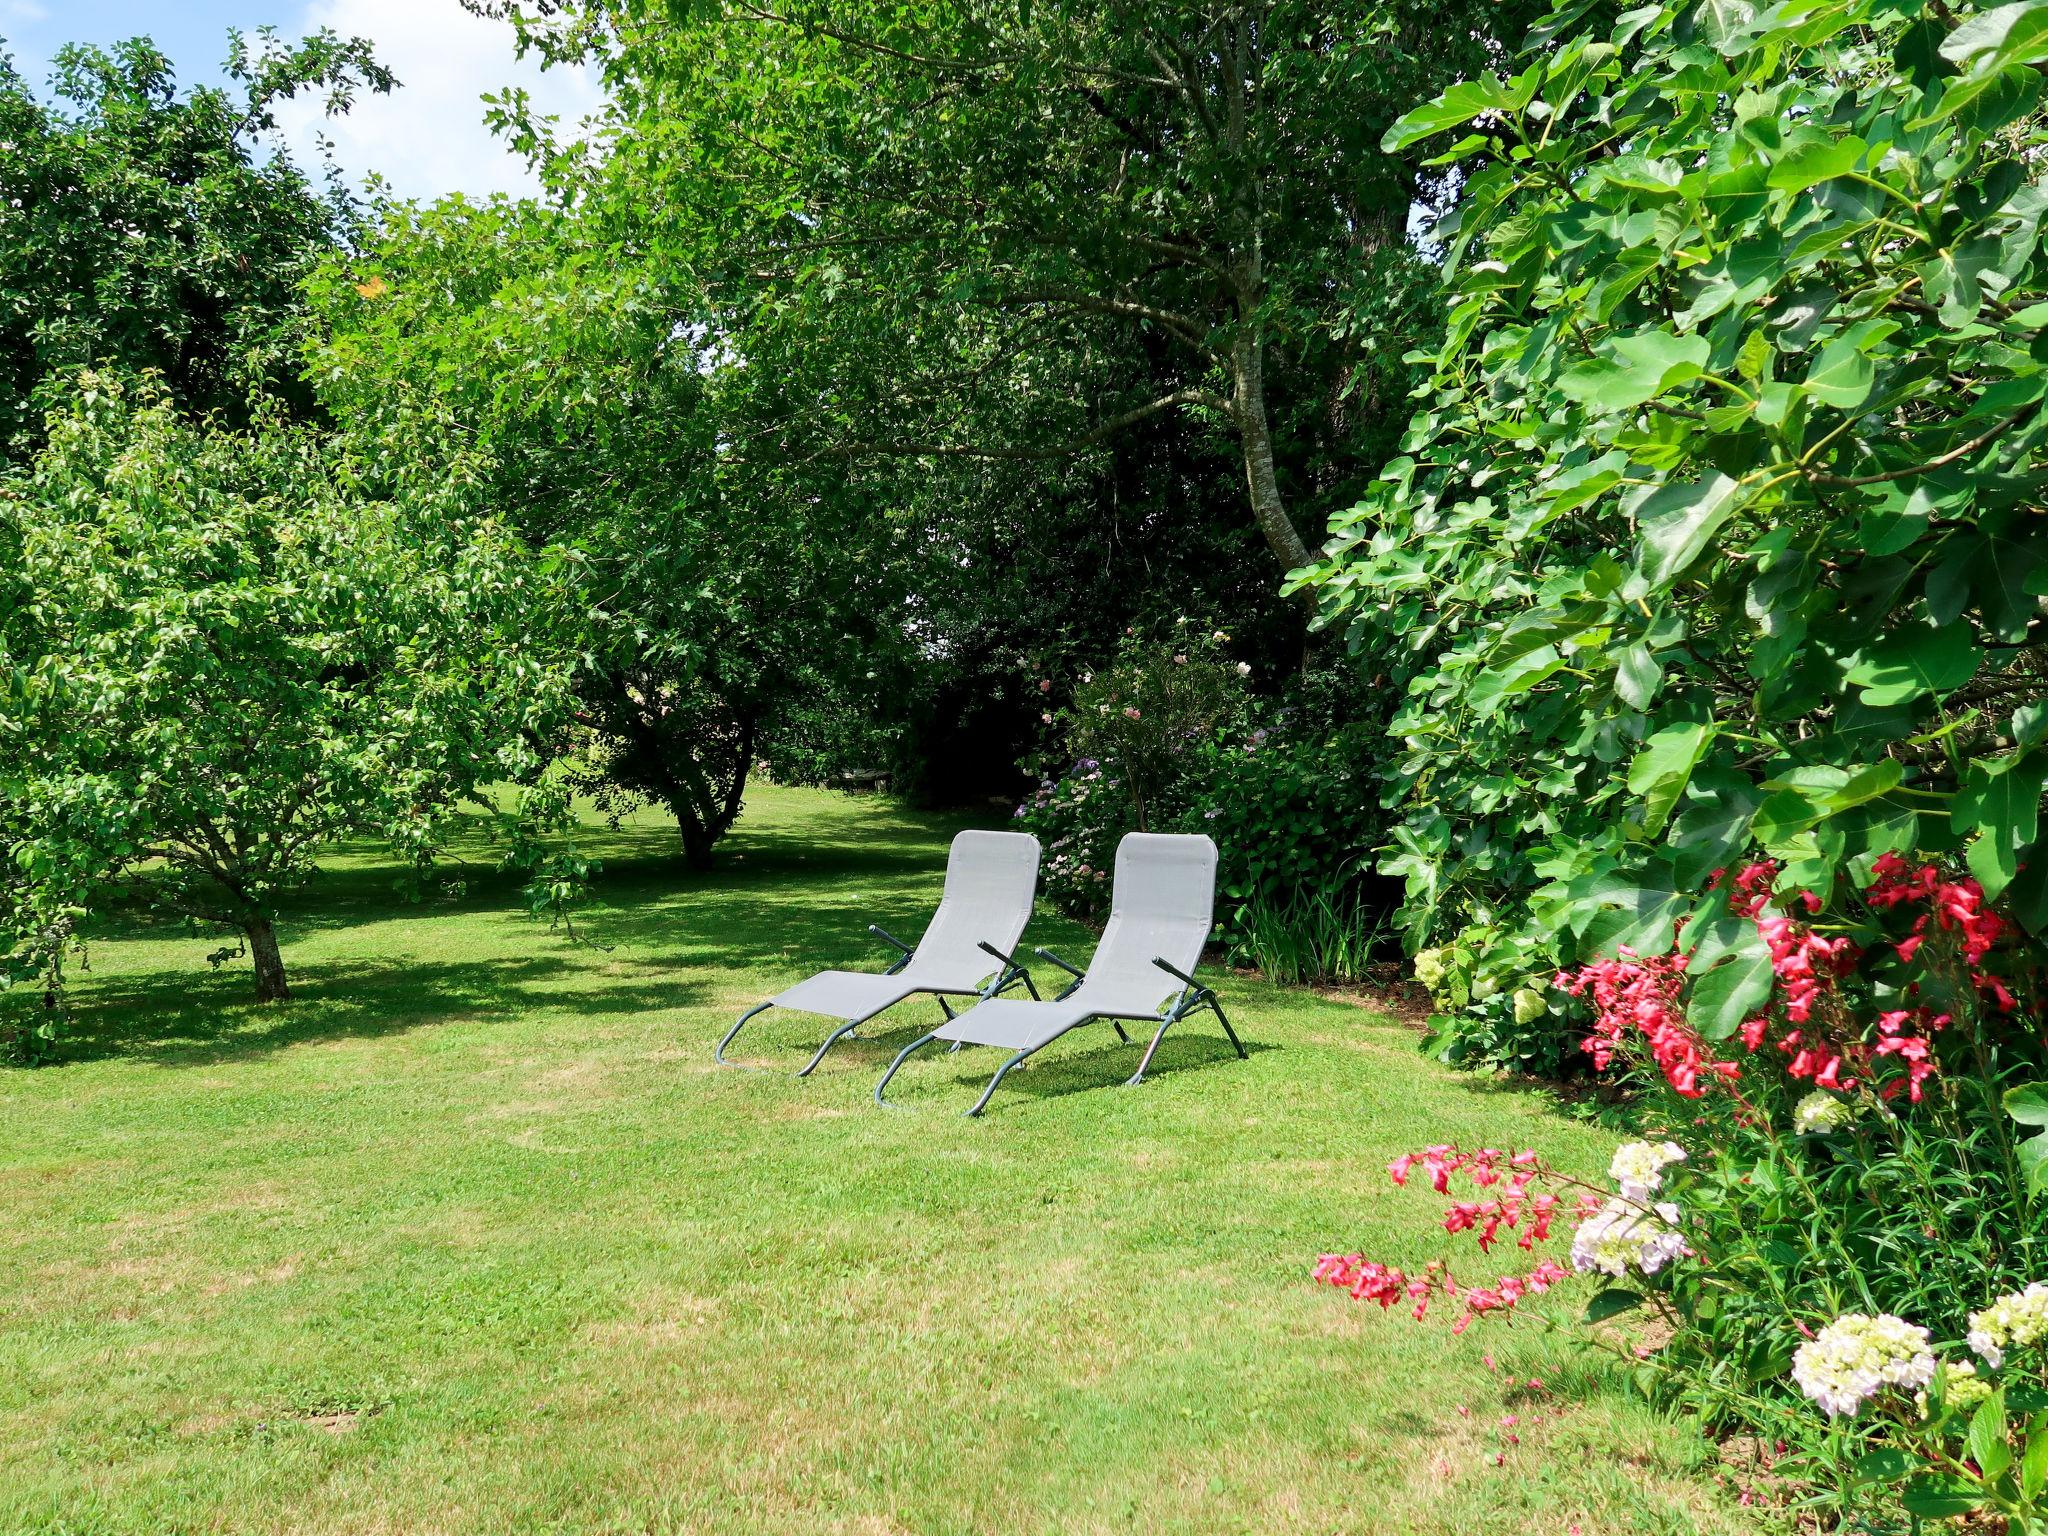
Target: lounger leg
[988, 1092]
[1224, 1019]
[719, 1054]
[1145, 1061]
[1119, 1031]
[833, 1039]
[901, 1057]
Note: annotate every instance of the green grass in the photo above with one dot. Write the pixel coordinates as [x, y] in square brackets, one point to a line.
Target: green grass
[472, 1237]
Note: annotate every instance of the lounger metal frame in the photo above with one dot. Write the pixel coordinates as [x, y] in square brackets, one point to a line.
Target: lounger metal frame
[1011, 973]
[1192, 998]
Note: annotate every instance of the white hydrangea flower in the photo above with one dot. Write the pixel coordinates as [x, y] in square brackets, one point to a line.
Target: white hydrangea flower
[1638, 1166]
[1429, 967]
[1856, 1357]
[1821, 1112]
[1963, 1389]
[1529, 1005]
[1619, 1237]
[2012, 1322]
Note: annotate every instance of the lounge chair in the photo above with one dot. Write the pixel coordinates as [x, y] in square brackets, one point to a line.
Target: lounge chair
[991, 880]
[1161, 908]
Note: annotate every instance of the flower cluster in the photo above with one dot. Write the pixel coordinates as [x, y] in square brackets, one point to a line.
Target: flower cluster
[1621, 1236]
[1638, 1167]
[1634, 994]
[1856, 1357]
[1611, 1236]
[1952, 906]
[1367, 1281]
[1642, 994]
[1821, 1112]
[2013, 1321]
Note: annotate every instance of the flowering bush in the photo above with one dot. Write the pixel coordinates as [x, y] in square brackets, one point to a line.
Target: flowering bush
[1840, 1182]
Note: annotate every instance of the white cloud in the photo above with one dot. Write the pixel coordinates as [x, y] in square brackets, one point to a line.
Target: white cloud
[26, 12]
[428, 137]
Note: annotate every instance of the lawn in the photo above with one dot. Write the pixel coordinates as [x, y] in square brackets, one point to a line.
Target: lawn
[473, 1237]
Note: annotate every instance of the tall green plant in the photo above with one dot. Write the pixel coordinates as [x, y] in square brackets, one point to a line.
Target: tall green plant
[1719, 524]
[219, 657]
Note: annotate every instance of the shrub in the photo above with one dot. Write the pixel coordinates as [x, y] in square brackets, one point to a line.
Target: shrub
[225, 657]
[1285, 794]
[1719, 521]
[1852, 1147]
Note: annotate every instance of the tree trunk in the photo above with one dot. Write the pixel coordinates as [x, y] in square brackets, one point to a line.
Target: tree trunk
[271, 986]
[1248, 402]
[697, 842]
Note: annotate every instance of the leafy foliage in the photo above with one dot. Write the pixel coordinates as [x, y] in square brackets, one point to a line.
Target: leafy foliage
[222, 657]
[1169, 739]
[952, 220]
[1718, 526]
[706, 594]
[147, 231]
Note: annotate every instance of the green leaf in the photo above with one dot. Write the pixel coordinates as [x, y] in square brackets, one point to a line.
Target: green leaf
[1816, 161]
[1887, 1465]
[1732, 979]
[2028, 1104]
[2005, 34]
[1916, 661]
[1841, 376]
[1636, 677]
[1676, 523]
[1458, 105]
[1642, 366]
[1940, 1496]
[1659, 774]
[1987, 1442]
[2001, 802]
[2034, 1461]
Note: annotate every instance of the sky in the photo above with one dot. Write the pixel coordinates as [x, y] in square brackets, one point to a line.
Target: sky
[427, 138]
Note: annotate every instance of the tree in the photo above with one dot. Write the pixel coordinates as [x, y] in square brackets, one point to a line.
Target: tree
[1719, 528]
[143, 231]
[938, 212]
[706, 593]
[223, 657]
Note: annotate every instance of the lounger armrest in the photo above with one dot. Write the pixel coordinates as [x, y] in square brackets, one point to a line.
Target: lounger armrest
[1176, 971]
[888, 938]
[1046, 954]
[1009, 960]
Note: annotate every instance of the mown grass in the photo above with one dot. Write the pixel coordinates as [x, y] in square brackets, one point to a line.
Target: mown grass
[472, 1237]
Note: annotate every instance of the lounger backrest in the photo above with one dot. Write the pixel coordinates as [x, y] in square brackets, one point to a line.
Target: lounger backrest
[1163, 904]
[991, 881]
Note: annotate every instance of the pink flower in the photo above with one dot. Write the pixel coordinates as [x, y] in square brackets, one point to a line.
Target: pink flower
[1045, 685]
[1130, 712]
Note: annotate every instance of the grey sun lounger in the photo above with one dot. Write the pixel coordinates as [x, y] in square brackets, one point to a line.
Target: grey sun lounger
[991, 881]
[1161, 909]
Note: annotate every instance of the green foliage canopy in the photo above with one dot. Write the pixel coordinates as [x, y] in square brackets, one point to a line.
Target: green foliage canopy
[706, 591]
[219, 657]
[145, 231]
[938, 224]
[1719, 527]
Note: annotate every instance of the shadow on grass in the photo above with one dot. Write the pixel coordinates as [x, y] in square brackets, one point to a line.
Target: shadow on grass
[175, 1020]
[933, 1083]
[781, 893]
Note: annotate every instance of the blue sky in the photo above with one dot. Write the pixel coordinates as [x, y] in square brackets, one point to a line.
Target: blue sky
[426, 139]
